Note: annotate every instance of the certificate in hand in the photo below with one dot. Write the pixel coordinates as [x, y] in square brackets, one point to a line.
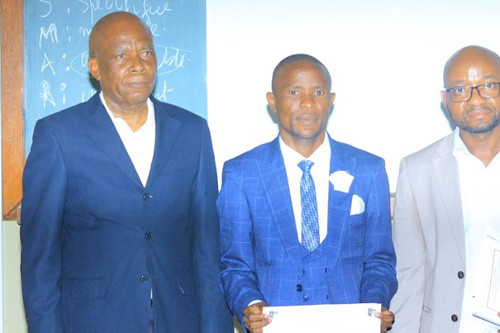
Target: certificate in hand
[345, 318]
[488, 298]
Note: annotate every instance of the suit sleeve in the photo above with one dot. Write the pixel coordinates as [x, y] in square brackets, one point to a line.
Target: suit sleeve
[44, 183]
[378, 283]
[215, 315]
[410, 250]
[237, 279]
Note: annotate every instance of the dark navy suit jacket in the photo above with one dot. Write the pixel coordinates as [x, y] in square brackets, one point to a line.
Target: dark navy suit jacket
[261, 255]
[95, 241]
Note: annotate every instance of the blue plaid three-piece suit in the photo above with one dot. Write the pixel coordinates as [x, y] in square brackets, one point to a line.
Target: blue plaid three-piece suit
[262, 258]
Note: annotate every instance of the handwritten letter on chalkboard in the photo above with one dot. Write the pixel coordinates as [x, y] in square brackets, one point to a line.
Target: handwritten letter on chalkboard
[56, 49]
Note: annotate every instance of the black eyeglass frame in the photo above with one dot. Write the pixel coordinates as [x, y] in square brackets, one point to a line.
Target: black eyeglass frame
[472, 89]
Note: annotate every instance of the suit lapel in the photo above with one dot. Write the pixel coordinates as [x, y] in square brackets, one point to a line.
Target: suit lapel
[273, 174]
[339, 203]
[446, 179]
[167, 129]
[103, 132]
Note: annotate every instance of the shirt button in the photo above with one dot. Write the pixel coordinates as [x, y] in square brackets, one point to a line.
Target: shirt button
[298, 287]
[143, 278]
[305, 298]
[454, 318]
[149, 235]
[146, 196]
[460, 275]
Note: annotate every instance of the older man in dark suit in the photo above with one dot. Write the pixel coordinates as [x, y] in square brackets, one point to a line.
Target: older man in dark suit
[119, 230]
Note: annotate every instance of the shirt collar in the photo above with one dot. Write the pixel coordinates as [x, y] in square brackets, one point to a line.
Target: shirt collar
[150, 120]
[321, 153]
[460, 150]
[458, 144]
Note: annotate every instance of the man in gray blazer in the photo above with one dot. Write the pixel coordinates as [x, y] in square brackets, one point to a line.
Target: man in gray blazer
[448, 203]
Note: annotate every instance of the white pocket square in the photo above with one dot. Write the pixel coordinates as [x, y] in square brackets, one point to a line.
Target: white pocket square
[341, 181]
[357, 205]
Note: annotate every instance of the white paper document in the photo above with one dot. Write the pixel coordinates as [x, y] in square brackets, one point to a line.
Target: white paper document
[487, 300]
[324, 318]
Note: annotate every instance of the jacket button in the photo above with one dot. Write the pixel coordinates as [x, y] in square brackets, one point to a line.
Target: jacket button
[460, 275]
[454, 318]
[149, 235]
[143, 278]
[146, 196]
[298, 287]
[305, 298]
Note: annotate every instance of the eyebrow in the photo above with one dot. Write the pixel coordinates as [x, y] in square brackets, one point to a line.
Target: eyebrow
[124, 47]
[120, 50]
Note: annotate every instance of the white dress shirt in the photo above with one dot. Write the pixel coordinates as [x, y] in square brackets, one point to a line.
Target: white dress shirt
[140, 145]
[480, 193]
[320, 173]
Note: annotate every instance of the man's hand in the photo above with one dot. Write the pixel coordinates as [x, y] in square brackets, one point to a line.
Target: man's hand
[254, 319]
[386, 319]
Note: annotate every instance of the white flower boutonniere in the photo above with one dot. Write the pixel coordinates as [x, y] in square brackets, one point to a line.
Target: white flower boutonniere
[341, 181]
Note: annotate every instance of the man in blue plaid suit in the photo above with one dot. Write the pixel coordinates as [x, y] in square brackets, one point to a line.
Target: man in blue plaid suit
[265, 261]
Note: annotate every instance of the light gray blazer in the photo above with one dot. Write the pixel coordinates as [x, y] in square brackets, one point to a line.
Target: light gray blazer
[429, 240]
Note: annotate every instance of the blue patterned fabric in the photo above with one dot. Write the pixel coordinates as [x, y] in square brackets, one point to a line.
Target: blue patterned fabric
[310, 226]
[262, 258]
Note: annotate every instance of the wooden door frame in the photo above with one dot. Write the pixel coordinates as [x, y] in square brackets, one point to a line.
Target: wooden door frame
[12, 105]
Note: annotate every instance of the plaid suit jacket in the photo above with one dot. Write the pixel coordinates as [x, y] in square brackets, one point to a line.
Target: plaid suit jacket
[262, 258]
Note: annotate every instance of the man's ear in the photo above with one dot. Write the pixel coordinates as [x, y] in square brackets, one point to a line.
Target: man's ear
[271, 101]
[332, 97]
[94, 68]
[443, 99]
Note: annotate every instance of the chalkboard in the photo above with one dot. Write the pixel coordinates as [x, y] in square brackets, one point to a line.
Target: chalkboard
[56, 49]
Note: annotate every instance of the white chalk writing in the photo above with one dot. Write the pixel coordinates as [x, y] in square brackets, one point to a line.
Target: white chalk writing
[161, 93]
[146, 11]
[46, 95]
[46, 33]
[48, 9]
[170, 58]
[63, 88]
[47, 63]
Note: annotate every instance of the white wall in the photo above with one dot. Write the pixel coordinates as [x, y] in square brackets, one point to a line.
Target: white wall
[386, 58]
[13, 311]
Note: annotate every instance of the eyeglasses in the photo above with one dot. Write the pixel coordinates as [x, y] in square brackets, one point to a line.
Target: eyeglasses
[464, 93]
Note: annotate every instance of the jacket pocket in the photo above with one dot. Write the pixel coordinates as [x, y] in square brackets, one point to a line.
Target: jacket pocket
[93, 288]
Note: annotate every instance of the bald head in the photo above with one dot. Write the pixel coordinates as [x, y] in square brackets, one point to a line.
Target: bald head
[297, 58]
[469, 59]
[111, 19]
